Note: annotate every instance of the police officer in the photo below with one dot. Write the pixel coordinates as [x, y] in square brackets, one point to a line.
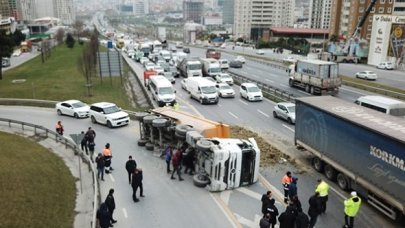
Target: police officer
[323, 189]
[352, 206]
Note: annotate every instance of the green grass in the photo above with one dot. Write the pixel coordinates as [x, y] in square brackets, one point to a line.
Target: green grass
[59, 79]
[36, 187]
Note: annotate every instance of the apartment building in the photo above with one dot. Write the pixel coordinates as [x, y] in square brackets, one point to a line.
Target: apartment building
[141, 7]
[347, 13]
[399, 7]
[320, 13]
[228, 11]
[193, 10]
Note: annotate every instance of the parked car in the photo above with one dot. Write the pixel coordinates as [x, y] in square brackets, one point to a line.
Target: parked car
[225, 90]
[224, 78]
[259, 52]
[186, 50]
[368, 75]
[142, 60]
[240, 59]
[386, 66]
[73, 108]
[169, 77]
[235, 64]
[286, 111]
[250, 92]
[108, 114]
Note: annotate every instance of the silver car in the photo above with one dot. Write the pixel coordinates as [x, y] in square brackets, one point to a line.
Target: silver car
[286, 111]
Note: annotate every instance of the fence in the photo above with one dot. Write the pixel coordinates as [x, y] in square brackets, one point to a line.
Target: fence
[45, 132]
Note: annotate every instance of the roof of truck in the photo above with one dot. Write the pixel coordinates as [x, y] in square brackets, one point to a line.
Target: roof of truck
[317, 61]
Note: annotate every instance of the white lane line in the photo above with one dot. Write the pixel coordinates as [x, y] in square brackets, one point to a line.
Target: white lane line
[125, 212]
[236, 117]
[111, 177]
[289, 128]
[243, 102]
[250, 193]
[244, 221]
[271, 81]
[225, 195]
[264, 114]
[283, 85]
[343, 88]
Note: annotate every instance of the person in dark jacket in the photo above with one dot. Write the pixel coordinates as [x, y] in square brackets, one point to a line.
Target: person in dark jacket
[315, 208]
[103, 216]
[287, 218]
[295, 203]
[265, 201]
[137, 178]
[168, 157]
[265, 221]
[91, 146]
[90, 135]
[83, 143]
[110, 202]
[189, 160]
[130, 166]
[176, 161]
[100, 166]
[302, 220]
[292, 188]
[272, 209]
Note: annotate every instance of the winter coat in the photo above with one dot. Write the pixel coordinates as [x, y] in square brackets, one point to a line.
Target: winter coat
[100, 162]
[103, 216]
[110, 202]
[168, 154]
[90, 135]
[352, 206]
[315, 206]
[137, 178]
[273, 213]
[302, 220]
[91, 146]
[292, 188]
[130, 166]
[265, 203]
[176, 160]
[287, 218]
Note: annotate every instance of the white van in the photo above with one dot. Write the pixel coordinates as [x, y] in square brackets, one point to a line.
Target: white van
[383, 104]
[202, 90]
[162, 90]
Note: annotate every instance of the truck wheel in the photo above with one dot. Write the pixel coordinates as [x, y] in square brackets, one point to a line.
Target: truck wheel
[142, 142]
[149, 118]
[291, 83]
[200, 180]
[342, 181]
[330, 172]
[344, 61]
[160, 122]
[204, 145]
[140, 115]
[201, 101]
[312, 90]
[180, 137]
[317, 164]
[182, 129]
[307, 88]
[149, 146]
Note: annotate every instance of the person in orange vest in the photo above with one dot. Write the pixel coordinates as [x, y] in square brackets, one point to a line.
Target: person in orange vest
[107, 158]
[286, 181]
[59, 128]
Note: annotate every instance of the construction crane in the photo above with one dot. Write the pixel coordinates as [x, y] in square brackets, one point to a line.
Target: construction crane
[363, 19]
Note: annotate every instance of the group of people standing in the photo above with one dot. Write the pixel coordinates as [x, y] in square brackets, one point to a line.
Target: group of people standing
[106, 211]
[135, 177]
[183, 156]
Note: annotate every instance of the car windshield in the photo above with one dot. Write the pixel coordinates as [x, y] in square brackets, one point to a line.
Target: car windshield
[208, 89]
[78, 105]
[253, 89]
[291, 109]
[194, 66]
[165, 90]
[111, 109]
[214, 70]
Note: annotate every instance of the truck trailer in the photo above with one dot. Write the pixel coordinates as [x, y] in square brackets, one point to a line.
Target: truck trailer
[210, 67]
[315, 76]
[362, 149]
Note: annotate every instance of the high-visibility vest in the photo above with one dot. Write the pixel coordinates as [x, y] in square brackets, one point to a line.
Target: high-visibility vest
[176, 106]
[106, 152]
[322, 188]
[286, 181]
[59, 126]
[351, 207]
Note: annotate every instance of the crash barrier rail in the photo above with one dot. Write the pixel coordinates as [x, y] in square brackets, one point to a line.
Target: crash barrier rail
[273, 93]
[385, 92]
[68, 144]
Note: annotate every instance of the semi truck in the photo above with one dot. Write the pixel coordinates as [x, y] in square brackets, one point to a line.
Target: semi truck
[212, 53]
[315, 76]
[362, 149]
[210, 67]
[190, 68]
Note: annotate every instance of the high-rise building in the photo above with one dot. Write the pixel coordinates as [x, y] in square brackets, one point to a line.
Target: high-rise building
[228, 11]
[5, 9]
[193, 10]
[399, 7]
[141, 7]
[346, 15]
[64, 10]
[252, 17]
[27, 9]
[320, 13]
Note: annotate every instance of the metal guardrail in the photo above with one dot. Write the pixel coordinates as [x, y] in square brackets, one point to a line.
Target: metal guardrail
[68, 144]
[386, 92]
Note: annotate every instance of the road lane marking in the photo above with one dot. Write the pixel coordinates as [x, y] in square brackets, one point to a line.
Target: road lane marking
[244, 72]
[289, 128]
[271, 81]
[352, 91]
[338, 193]
[225, 195]
[226, 210]
[243, 102]
[111, 177]
[283, 85]
[235, 116]
[264, 114]
[250, 193]
[191, 107]
[125, 212]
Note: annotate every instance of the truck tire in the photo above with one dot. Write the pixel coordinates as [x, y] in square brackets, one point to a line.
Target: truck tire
[160, 122]
[307, 88]
[182, 129]
[200, 180]
[312, 90]
[204, 145]
[330, 172]
[180, 137]
[318, 164]
[140, 115]
[142, 142]
[342, 181]
[149, 146]
[291, 83]
[149, 118]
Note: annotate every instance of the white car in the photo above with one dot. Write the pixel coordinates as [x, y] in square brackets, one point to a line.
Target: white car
[149, 66]
[285, 110]
[224, 64]
[108, 114]
[259, 52]
[224, 78]
[368, 75]
[142, 60]
[225, 90]
[184, 84]
[73, 108]
[159, 70]
[386, 66]
[240, 59]
[250, 92]
[16, 53]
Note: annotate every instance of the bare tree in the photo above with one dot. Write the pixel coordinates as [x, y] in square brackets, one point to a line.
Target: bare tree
[87, 62]
[60, 34]
[78, 26]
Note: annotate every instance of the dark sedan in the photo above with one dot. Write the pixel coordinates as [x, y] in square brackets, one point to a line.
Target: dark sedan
[235, 64]
[186, 50]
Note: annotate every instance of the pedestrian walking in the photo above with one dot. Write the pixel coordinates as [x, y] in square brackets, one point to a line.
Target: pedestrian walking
[266, 201]
[287, 218]
[189, 161]
[265, 221]
[100, 166]
[91, 146]
[302, 220]
[90, 134]
[130, 166]
[110, 202]
[292, 188]
[137, 178]
[315, 208]
[83, 143]
[272, 209]
[295, 203]
[59, 129]
[168, 157]
[286, 181]
[176, 161]
[107, 158]
[323, 189]
[103, 216]
[352, 206]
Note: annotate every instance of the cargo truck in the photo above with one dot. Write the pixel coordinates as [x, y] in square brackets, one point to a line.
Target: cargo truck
[190, 68]
[315, 76]
[360, 148]
[212, 53]
[210, 67]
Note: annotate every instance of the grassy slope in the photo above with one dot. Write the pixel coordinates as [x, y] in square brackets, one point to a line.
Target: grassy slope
[33, 194]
